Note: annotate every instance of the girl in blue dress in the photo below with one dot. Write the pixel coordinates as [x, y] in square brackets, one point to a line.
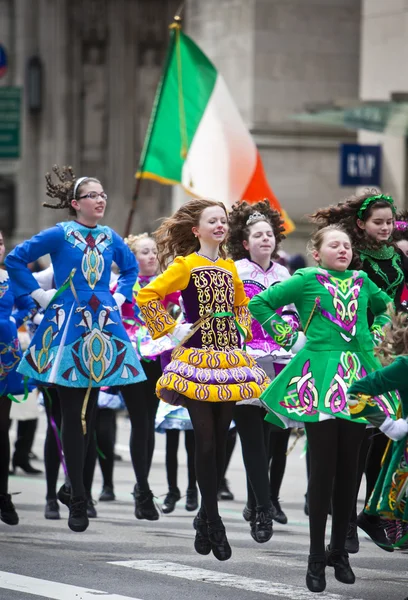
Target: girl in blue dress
[11, 382]
[81, 344]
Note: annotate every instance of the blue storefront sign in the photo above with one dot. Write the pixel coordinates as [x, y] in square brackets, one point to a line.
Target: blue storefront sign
[360, 165]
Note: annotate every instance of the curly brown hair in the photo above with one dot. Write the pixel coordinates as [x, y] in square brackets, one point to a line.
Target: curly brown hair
[345, 214]
[64, 191]
[239, 230]
[174, 237]
[395, 342]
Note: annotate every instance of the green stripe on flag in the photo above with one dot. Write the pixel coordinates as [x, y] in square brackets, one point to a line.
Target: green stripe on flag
[181, 98]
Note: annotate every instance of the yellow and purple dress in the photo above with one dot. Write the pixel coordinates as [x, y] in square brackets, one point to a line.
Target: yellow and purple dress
[211, 365]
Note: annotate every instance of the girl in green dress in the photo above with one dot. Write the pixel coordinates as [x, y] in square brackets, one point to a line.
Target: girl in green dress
[332, 303]
[389, 497]
[369, 219]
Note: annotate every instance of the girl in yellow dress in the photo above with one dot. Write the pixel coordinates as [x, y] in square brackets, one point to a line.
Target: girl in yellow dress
[209, 371]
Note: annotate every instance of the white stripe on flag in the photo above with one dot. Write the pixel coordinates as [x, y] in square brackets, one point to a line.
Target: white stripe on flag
[222, 157]
[280, 590]
[52, 590]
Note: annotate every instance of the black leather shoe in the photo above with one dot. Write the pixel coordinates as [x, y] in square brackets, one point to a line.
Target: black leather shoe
[249, 514]
[52, 510]
[8, 512]
[90, 508]
[342, 570]
[25, 466]
[224, 493]
[375, 531]
[107, 494]
[315, 576]
[262, 528]
[192, 499]
[64, 495]
[280, 516]
[218, 540]
[202, 543]
[170, 501]
[144, 505]
[352, 541]
[78, 519]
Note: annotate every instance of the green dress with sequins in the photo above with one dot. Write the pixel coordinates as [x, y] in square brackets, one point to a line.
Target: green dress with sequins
[333, 308]
[389, 496]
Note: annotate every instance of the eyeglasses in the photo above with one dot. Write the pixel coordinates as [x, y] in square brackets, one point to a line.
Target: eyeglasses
[94, 196]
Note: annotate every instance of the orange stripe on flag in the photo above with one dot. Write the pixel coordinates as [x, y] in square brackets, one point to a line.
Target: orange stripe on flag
[259, 189]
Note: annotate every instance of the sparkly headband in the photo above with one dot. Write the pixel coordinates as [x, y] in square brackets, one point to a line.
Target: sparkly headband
[401, 225]
[255, 216]
[78, 183]
[372, 199]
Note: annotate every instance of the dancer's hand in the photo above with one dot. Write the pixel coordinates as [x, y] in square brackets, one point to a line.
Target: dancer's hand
[180, 331]
[43, 297]
[395, 430]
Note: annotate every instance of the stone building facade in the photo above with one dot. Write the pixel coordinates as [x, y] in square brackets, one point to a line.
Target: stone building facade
[101, 63]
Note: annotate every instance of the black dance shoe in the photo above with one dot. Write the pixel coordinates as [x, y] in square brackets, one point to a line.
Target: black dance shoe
[52, 510]
[78, 519]
[64, 495]
[218, 540]
[375, 531]
[352, 541]
[90, 508]
[315, 576]
[262, 527]
[342, 570]
[144, 505]
[202, 544]
[25, 466]
[249, 514]
[280, 516]
[107, 494]
[170, 501]
[8, 512]
[224, 493]
[191, 499]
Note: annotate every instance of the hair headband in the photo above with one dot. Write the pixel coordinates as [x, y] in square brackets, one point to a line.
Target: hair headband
[255, 216]
[377, 198]
[401, 225]
[77, 184]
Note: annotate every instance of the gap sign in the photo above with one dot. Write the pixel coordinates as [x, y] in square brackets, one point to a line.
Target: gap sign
[360, 165]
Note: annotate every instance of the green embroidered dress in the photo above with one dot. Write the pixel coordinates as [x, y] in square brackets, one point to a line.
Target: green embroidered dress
[333, 308]
[389, 497]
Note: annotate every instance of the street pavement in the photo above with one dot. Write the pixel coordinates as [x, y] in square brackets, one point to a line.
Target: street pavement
[121, 558]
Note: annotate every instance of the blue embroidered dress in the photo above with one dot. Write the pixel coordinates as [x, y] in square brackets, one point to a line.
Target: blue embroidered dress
[85, 343]
[11, 382]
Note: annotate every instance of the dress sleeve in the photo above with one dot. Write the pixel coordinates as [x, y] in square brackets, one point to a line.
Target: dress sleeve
[46, 242]
[378, 302]
[387, 379]
[25, 309]
[150, 298]
[241, 301]
[263, 308]
[128, 267]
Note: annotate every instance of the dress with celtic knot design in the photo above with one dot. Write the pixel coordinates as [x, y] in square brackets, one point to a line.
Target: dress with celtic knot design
[339, 347]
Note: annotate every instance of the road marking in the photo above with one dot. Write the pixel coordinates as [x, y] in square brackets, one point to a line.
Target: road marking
[281, 590]
[52, 590]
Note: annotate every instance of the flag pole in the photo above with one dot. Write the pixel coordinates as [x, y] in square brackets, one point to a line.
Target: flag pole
[176, 20]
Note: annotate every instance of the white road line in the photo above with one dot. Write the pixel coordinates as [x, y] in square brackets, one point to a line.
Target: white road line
[281, 590]
[52, 590]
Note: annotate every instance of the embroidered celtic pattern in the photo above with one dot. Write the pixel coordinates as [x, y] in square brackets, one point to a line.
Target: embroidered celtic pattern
[156, 318]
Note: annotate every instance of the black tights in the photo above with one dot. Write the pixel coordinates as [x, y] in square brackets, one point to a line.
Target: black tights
[5, 406]
[172, 444]
[141, 402]
[105, 437]
[51, 455]
[74, 442]
[334, 445]
[370, 457]
[278, 446]
[254, 433]
[211, 421]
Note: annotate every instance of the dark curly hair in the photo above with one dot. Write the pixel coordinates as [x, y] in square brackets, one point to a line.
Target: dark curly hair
[64, 190]
[395, 342]
[239, 230]
[345, 214]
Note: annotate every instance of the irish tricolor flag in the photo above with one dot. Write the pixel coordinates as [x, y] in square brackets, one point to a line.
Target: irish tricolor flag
[196, 136]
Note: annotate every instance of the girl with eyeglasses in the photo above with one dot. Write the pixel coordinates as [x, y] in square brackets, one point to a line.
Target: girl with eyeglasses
[81, 344]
